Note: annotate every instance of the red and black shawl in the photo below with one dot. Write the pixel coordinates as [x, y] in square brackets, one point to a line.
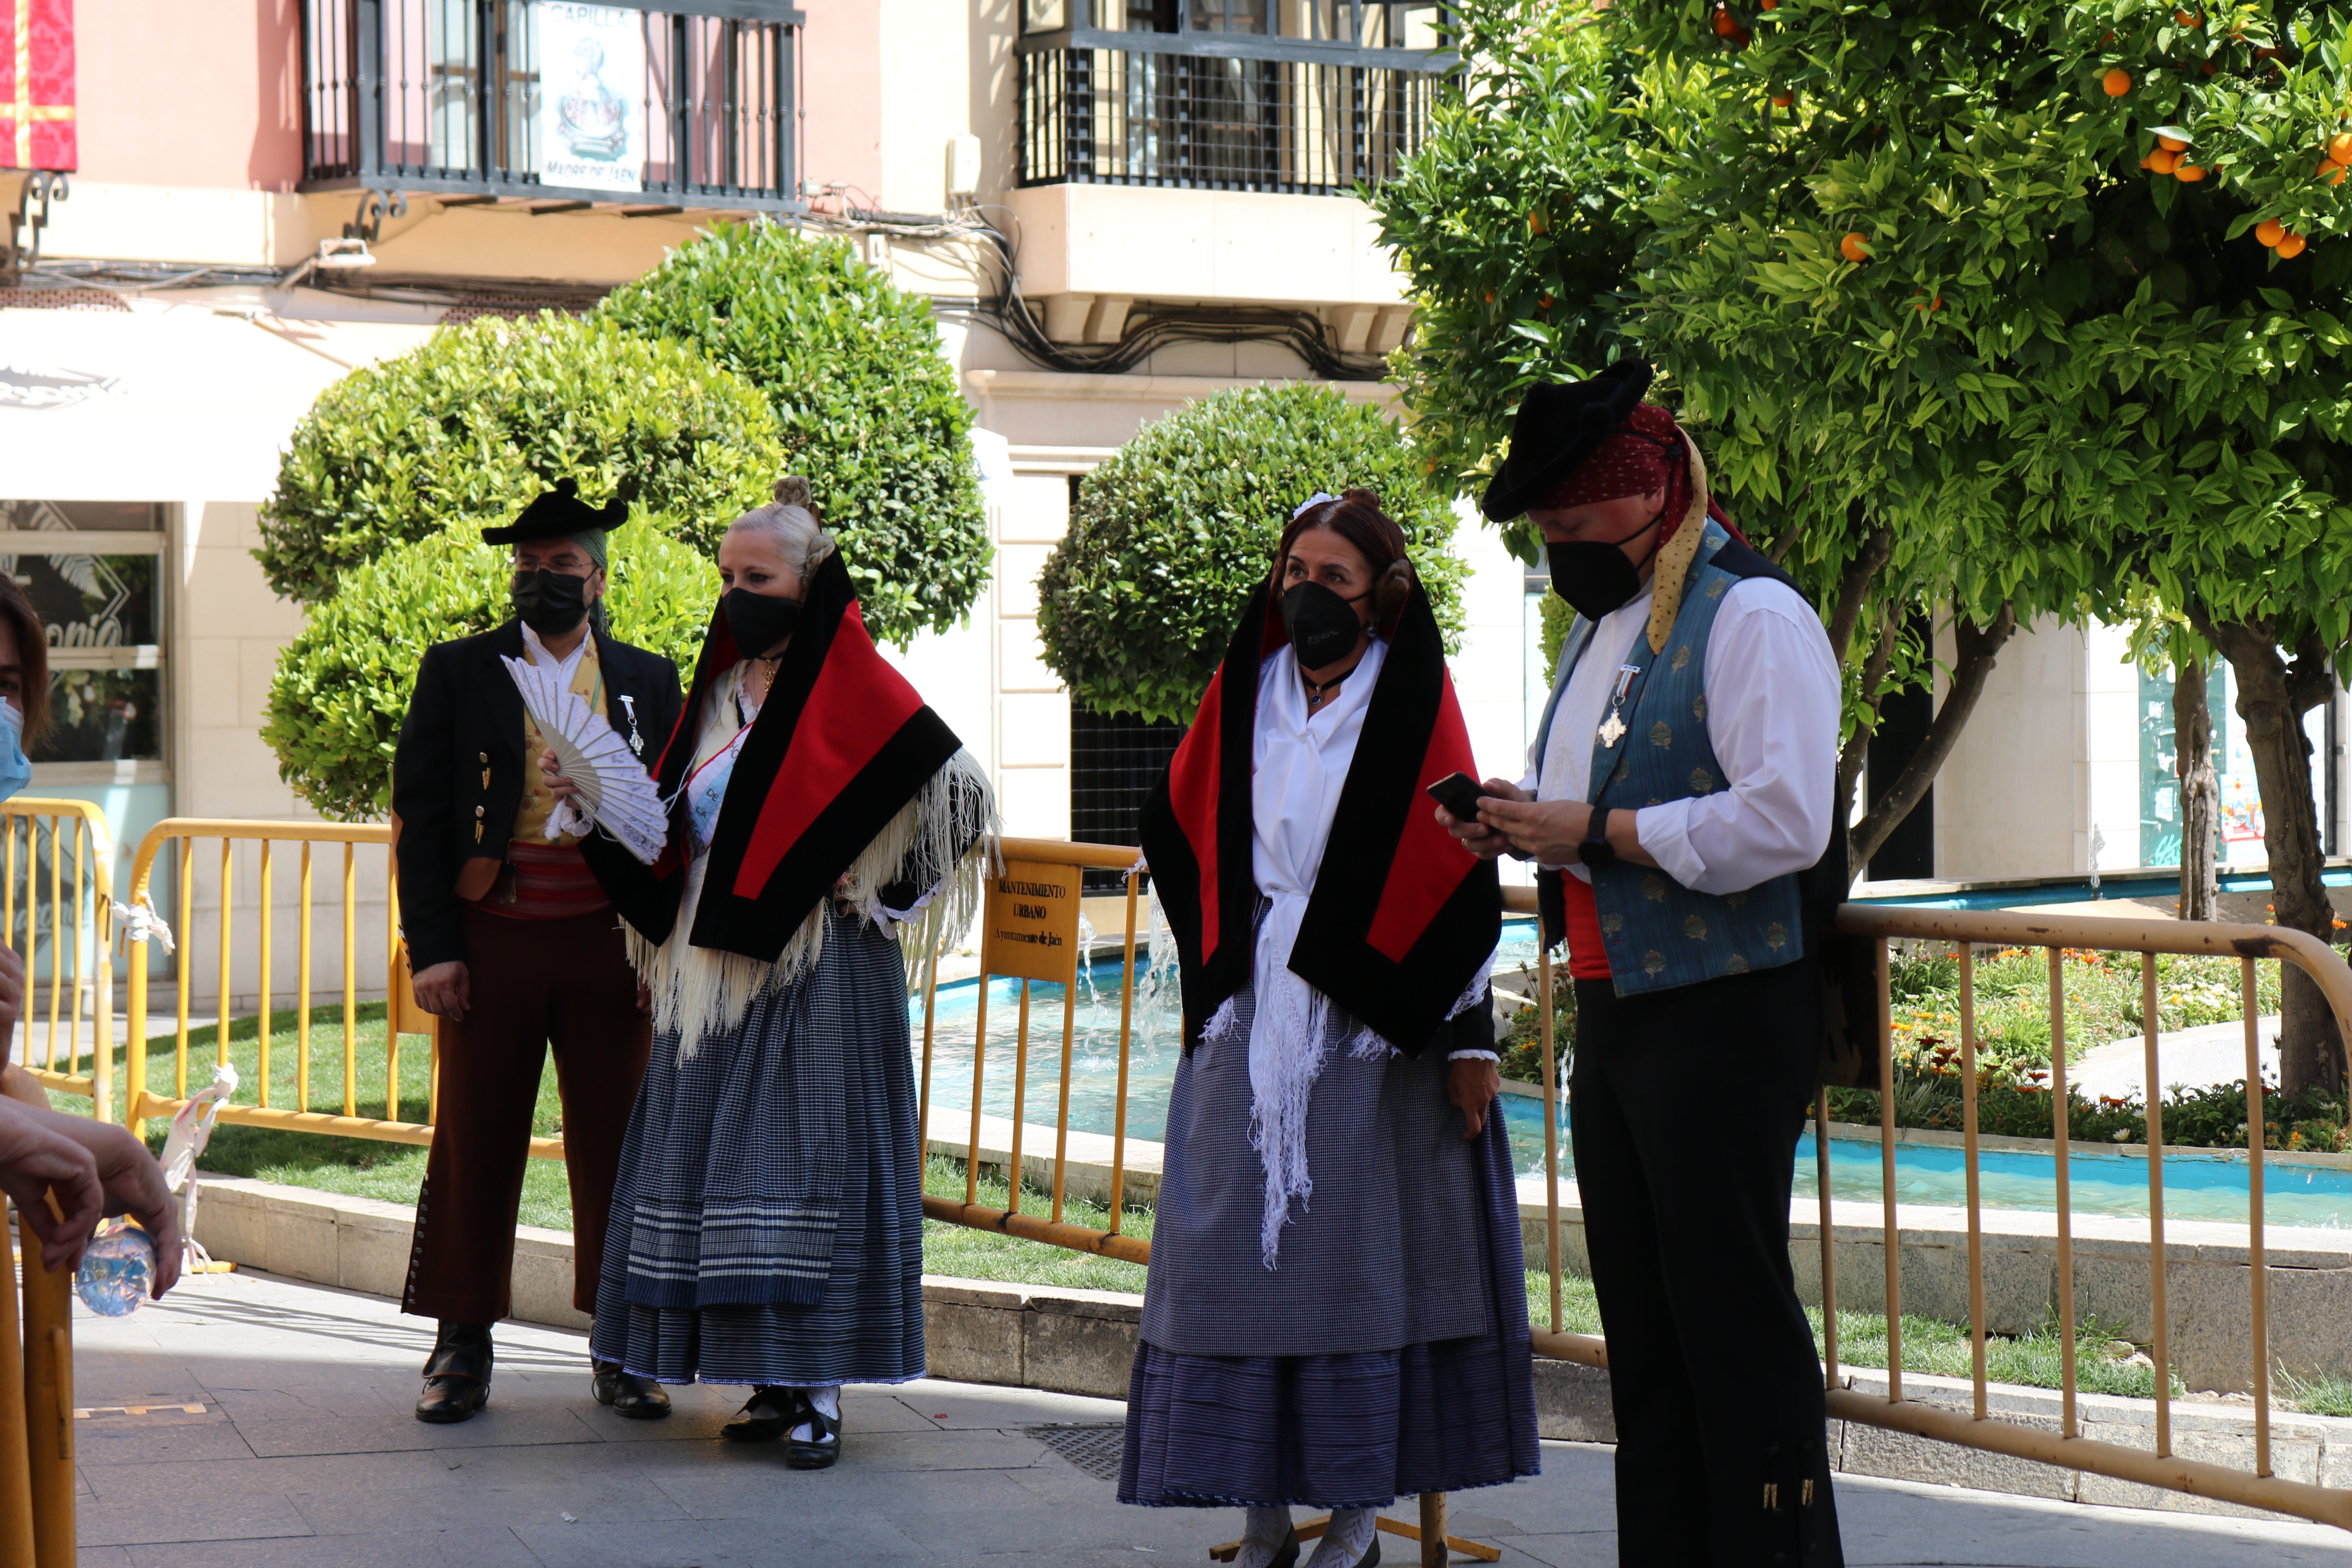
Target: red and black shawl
[842, 743]
[1402, 915]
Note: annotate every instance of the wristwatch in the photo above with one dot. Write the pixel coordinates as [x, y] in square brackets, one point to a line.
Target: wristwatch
[1595, 849]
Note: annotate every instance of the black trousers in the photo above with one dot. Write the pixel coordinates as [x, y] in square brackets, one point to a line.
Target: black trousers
[565, 982]
[1686, 1108]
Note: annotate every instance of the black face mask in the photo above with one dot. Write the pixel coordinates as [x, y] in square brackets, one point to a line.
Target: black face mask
[758, 622]
[1323, 628]
[549, 603]
[1593, 575]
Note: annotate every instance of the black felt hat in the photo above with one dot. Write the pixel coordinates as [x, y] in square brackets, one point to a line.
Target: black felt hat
[1560, 425]
[558, 512]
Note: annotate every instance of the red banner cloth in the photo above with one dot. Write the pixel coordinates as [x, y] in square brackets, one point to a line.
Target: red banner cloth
[36, 85]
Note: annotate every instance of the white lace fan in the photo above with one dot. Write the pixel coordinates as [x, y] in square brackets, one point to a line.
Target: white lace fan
[613, 788]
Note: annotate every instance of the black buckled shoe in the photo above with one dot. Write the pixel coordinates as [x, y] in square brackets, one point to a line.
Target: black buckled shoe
[456, 1375]
[819, 1452]
[1287, 1554]
[638, 1398]
[766, 1416]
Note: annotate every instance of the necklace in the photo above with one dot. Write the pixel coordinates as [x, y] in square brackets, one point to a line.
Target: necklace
[1316, 695]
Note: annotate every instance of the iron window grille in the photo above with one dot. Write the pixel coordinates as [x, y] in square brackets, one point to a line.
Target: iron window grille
[454, 97]
[1115, 759]
[1315, 96]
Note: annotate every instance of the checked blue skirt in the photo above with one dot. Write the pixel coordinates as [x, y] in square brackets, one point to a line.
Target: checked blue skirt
[768, 1219]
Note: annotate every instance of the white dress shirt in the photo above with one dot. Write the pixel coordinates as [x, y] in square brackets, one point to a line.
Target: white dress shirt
[1773, 694]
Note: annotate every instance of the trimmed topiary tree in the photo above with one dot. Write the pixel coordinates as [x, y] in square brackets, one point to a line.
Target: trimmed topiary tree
[1169, 537]
[865, 400]
[464, 430]
[343, 684]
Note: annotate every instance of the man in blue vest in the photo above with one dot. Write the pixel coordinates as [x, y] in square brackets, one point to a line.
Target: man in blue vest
[1678, 797]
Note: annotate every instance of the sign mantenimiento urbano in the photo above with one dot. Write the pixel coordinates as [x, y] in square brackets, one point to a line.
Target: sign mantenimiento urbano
[1032, 923]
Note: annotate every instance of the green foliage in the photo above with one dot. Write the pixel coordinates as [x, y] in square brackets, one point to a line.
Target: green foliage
[866, 403]
[343, 683]
[1518, 223]
[460, 433]
[1172, 535]
[2077, 373]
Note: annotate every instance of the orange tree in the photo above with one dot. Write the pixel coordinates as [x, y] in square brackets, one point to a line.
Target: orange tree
[1541, 225]
[2071, 279]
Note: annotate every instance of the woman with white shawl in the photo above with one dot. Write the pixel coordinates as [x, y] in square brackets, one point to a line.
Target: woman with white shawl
[1334, 1314]
[767, 1221]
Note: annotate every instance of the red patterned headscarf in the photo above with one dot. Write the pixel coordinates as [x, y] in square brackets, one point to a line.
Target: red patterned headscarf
[1641, 456]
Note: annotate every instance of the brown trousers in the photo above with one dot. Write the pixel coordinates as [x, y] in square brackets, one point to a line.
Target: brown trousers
[567, 981]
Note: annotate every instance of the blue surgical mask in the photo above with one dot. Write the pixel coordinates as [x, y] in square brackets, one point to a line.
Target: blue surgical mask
[16, 770]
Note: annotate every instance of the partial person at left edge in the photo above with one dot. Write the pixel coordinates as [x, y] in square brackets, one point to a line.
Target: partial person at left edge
[88, 1169]
[514, 944]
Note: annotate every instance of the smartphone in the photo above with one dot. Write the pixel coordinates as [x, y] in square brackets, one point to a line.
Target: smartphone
[1458, 794]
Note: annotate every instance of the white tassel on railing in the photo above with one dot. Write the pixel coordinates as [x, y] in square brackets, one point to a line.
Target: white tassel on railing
[139, 923]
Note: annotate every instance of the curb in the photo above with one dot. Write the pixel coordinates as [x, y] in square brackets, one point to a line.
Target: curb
[1083, 1342]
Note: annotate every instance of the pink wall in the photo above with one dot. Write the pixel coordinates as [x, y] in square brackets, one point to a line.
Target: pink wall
[190, 92]
[843, 126]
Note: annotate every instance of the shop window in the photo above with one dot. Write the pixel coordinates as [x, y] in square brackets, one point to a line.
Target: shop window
[93, 572]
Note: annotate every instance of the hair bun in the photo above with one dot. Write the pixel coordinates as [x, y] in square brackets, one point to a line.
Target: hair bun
[793, 491]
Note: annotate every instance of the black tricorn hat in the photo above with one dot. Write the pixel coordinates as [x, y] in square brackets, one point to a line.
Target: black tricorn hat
[1559, 425]
[558, 512]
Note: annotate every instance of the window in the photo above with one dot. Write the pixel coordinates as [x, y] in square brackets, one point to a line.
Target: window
[1309, 96]
[92, 570]
[1115, 759]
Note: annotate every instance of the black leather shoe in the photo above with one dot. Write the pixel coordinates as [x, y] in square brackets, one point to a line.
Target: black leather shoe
[755, 1425]
[819, 1452]
[456, 1375]
[638, 1398]
[1288, 1556]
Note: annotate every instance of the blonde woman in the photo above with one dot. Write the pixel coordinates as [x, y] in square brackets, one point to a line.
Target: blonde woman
[767, 1225]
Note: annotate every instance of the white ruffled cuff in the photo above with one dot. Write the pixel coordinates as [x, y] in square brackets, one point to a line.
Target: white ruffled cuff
[1477, 1055]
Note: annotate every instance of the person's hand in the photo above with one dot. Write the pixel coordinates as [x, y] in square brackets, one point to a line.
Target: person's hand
[1476, 837]
[1546, 831]
[132, 1184]
[445, 990]
[37, 1162]
[644, 1000]
[558, 785]
[1472, 1083]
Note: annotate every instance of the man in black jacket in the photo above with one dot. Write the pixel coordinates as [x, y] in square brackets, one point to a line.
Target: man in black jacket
[514, 944]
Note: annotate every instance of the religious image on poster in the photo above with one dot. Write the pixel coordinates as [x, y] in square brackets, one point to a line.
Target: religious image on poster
[590, 123]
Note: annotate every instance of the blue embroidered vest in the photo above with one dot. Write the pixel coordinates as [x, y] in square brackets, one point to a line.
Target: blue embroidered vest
[1658, 934]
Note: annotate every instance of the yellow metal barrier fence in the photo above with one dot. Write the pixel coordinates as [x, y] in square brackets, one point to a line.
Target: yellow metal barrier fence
[276, 841]
[37, 1436]
[1030, 932]
[56, 897]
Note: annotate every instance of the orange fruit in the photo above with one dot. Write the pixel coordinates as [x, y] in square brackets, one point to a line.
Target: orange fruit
[2117, 82]
[2270, 231]
[1783, 100]
[1928, 305]
[2290, 246]
[1725, 24]
[2339, 148]
[2188, 174]
[1490, 295]
[2331, 170]
[1535, 223]
[2208, 68]
[1854, 248]
[1768, 5]
[2172, 143]
[2163, 162]
[1545, 302]
[2185, 19]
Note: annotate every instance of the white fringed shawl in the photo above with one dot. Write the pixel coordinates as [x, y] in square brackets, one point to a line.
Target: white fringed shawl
[937, 842]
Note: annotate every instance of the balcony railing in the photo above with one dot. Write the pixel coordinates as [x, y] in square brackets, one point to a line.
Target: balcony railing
[1221, 111]
[634, 103]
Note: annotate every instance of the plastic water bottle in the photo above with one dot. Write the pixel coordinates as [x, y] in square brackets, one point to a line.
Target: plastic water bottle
[118, 1270]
